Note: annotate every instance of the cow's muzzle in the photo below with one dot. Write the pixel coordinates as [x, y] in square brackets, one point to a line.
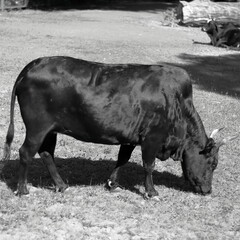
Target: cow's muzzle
[203, 190]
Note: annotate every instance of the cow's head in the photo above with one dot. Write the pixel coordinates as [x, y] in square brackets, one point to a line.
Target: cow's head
[210, 27]
[198, 164]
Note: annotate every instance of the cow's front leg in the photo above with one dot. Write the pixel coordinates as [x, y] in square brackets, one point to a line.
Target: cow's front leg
[123, 157]
[149, 187]
[148, 157]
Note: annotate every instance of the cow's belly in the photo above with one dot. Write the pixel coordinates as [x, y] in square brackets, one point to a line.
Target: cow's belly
[103, 131]
[103, 139]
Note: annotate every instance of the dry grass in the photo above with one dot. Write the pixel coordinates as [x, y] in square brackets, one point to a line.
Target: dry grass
[86, 210]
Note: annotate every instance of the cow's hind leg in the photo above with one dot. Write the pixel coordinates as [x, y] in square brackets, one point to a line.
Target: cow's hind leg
[46, 152]
[123, 157]
[27, 151]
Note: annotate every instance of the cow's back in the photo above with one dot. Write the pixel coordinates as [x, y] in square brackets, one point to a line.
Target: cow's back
[102, 103]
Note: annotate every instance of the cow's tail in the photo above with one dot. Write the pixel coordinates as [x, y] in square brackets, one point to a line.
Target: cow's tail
[10, 132]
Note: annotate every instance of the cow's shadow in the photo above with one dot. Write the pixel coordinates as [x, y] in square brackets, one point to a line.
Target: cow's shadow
[80, 171]
[219, 74]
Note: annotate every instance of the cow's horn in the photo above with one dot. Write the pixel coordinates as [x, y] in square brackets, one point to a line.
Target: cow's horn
[215, 131]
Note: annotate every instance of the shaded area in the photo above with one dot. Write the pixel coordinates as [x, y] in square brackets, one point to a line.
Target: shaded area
[219, 74]
[81, 171]
[127, 5]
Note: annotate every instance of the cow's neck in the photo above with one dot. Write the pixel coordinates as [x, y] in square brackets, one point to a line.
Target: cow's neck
[196, 131]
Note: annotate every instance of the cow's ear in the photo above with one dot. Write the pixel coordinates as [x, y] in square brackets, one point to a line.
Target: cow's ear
[212, 144]
[209, 146]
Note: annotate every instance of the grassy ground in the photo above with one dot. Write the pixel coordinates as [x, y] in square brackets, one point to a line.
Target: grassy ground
[86, 210]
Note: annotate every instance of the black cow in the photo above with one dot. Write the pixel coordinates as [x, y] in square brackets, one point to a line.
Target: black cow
[226, 36]
[146, 105]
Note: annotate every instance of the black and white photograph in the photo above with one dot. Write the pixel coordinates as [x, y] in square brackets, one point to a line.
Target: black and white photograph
[119, 120]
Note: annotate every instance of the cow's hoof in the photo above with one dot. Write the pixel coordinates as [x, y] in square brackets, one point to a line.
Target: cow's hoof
[154, 198]
[146, 196]
[22, 190]
[113, 186]
[150, 195]
[61, 188]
